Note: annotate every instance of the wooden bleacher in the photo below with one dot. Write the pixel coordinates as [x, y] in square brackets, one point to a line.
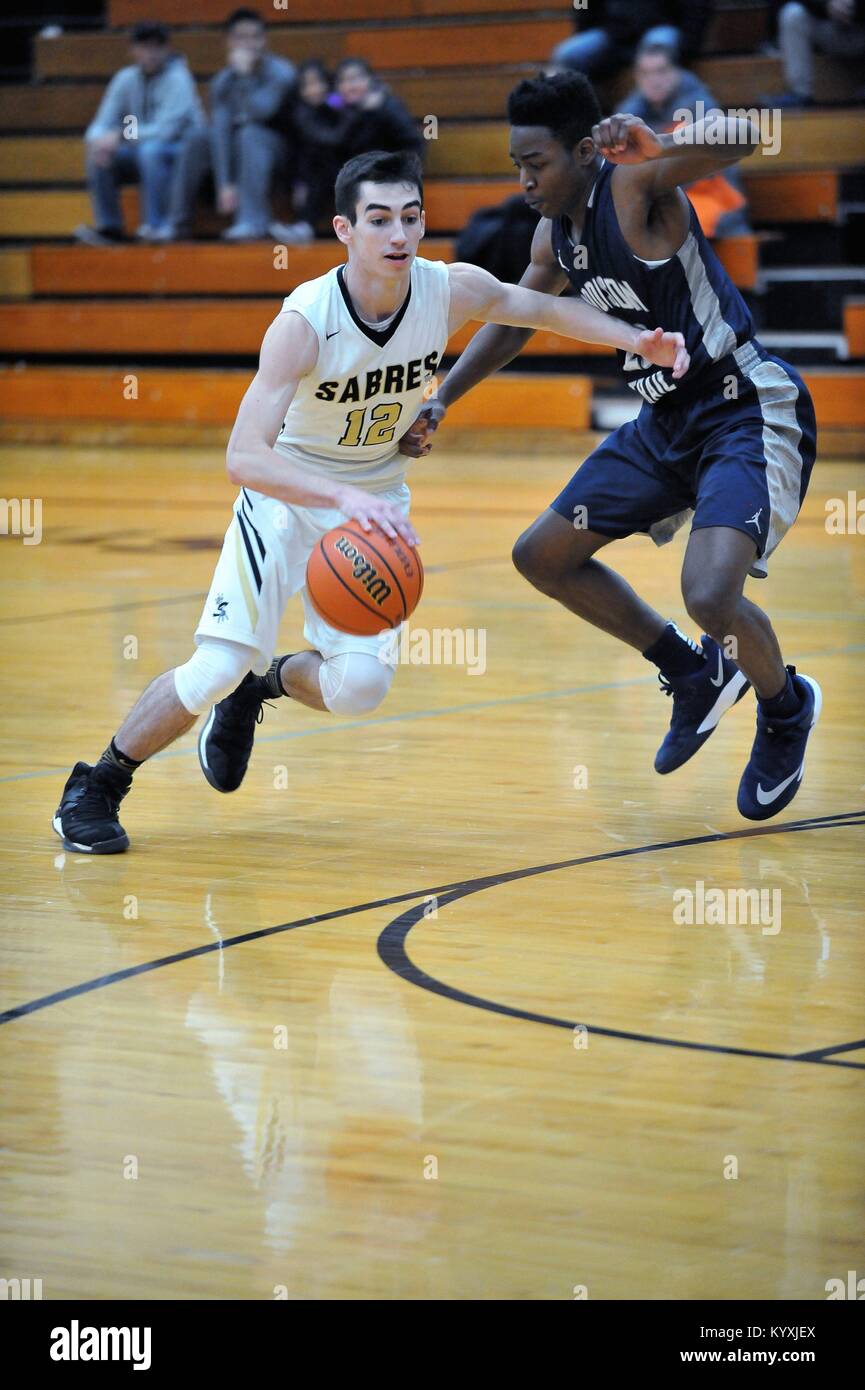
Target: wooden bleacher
[186, 302]
[854, 326]
[815, 141]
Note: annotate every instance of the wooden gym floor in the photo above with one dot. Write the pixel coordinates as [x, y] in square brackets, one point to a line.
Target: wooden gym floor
[319, 1038]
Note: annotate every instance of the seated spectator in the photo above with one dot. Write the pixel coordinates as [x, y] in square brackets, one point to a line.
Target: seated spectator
[330, 127]
[320, 120]
[247, 144]
[379, 121]
[662, 90]
[834, 27]
[147, 109]
[602, 49]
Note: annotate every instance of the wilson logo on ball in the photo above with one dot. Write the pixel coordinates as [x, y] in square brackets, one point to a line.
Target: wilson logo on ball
[363, 583]
[363, 570]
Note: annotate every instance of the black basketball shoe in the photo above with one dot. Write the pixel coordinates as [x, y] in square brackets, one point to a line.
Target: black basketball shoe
[225, 742]
[86, 819]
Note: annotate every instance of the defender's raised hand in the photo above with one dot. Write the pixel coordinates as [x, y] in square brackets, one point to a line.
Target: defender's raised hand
[625, 139]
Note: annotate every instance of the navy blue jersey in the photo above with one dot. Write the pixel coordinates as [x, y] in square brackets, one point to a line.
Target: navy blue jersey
[689, 293]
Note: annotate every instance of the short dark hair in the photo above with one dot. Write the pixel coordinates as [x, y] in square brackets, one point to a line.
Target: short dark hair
[353, 63]
[564, 102]
[313, 65]
[378, 166]
[149, 32]
[244, 16]
[655, 50]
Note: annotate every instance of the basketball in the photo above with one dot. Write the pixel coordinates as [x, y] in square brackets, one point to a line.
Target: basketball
[362, 582]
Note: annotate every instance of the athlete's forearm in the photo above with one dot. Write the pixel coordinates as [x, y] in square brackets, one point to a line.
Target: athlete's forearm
[264, 470]
[491, 348]
[570, 317]
[728, 138]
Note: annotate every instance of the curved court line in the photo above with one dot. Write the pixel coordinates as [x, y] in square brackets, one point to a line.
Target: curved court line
[392, 951]
[398, 961]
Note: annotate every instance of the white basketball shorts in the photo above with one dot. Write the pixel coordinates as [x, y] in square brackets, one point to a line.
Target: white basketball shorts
[262, 564]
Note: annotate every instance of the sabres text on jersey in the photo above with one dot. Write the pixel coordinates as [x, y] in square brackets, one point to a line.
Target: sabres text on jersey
[394, 379]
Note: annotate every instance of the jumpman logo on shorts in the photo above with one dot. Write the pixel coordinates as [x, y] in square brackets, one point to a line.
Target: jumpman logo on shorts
[755, 519]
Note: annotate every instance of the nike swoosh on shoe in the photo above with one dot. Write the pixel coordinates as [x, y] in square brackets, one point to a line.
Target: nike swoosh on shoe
[766, 798]
[727, 697]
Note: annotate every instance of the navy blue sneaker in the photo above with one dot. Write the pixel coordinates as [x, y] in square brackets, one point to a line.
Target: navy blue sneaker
[225, 742]
[774, 772]
[699, 700]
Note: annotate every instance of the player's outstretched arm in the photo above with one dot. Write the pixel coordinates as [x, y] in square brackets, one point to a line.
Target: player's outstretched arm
[659, 163]
[491, 348]
[288, 353]
[497, 344]
[475, 294]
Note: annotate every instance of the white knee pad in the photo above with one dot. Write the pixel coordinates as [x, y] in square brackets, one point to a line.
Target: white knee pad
[213, 672]
[353, 682]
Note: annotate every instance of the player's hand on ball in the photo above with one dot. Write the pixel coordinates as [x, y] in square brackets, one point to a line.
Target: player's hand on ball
[665, 350]
[626, 139]
[370, 511]
[416, 441]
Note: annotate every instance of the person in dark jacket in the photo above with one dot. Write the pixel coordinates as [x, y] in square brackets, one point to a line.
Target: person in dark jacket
[147, 109]
[379, 121]
[834, 27]
[330, 127]
[246, 146]
[607, 39]
[320, 121]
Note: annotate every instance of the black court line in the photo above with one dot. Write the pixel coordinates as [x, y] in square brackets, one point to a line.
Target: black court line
[392, 950]
[391, 943]
[819, 1052]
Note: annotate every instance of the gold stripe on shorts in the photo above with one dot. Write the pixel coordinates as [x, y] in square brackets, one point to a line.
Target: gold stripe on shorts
[248, 596]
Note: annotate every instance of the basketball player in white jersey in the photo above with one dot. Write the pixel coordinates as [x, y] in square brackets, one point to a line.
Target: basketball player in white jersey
[342, 375]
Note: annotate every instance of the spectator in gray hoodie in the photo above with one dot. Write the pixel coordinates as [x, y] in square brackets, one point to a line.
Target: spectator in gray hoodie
[135, 135]
[248, 142]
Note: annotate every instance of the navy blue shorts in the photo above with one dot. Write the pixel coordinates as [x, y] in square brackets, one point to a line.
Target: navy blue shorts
[741, 461]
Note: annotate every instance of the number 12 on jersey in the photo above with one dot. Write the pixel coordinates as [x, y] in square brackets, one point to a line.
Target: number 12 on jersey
[382, 424]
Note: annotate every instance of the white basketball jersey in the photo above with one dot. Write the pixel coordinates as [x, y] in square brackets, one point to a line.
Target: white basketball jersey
[367, 385]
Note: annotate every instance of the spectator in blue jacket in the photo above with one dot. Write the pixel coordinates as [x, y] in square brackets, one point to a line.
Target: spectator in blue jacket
[663, 92]
[608, 33]
[147, 109]
[248, 143]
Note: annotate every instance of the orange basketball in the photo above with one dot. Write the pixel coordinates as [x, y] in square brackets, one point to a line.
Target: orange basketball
[362, 582]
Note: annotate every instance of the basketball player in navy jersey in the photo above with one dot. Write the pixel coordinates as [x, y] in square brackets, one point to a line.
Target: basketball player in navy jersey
[315, 443]
[732, 443]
